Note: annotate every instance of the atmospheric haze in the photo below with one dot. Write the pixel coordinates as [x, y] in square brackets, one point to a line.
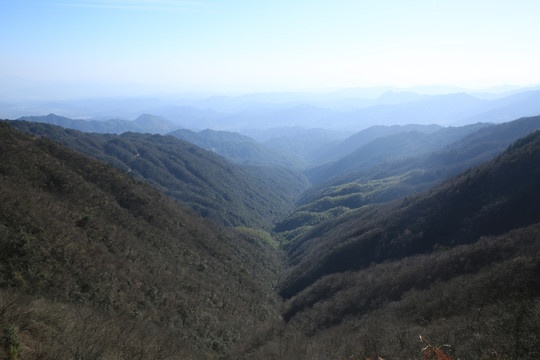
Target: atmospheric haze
[78, 48]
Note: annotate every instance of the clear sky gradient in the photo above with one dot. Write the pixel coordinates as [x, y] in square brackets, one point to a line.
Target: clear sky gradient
[211, 45]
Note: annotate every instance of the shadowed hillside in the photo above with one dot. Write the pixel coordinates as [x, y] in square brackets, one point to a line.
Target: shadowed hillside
[394, 179]
[487, 200]
[475, 301]
[457, 264]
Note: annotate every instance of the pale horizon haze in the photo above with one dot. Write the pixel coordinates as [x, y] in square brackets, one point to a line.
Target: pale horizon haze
[126, 47]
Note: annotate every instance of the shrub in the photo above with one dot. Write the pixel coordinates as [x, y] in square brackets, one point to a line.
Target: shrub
[10, 339]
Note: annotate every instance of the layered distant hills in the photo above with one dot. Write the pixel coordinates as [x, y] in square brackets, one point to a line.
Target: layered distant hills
[351, 110]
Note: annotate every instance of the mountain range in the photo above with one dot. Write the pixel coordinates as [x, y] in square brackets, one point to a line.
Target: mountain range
[144, 123]
[275, 244]
[351, 111]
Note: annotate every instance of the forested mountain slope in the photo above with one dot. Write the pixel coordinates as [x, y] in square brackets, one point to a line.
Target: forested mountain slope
[389, 148]
[473, 301]
[479, 146]
[307, 145]
[236, 148]
[144, 123]
[94, 264]
[487, 200]
[391, 180]
[457, 264]
[363, 137]
[231, 194]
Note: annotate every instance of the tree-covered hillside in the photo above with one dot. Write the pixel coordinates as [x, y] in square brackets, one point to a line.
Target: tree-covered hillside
[365, 136]
[457, 264]
[487, 200]
[389, 148]
[145, 123]
[96, 265]
[394, 179]
[237, 148]
[231, 194]
[472, 301]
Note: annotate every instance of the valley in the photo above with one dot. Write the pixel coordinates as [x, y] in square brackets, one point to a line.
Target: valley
[341, 229]
[269, 180]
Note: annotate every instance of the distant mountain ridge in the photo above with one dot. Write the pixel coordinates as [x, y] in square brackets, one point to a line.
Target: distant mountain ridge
[365, 136]
[522, 104]
[396, 145]
[235, 147]
[144, 124]
[474, 148]
[349, 110]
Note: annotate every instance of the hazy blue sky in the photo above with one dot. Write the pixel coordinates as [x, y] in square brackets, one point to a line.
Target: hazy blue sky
[273, 45]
